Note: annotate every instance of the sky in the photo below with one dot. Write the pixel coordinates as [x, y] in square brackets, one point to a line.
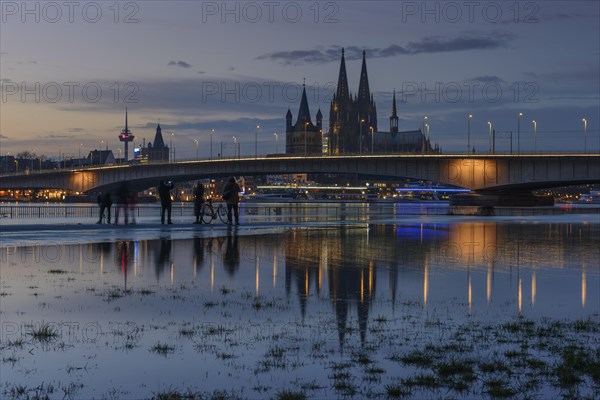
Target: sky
[68, 70]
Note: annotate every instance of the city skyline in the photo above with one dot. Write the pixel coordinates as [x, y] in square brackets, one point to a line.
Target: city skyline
[230, 66]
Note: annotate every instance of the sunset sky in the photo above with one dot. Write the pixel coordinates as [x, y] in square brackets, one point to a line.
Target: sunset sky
[228, 66]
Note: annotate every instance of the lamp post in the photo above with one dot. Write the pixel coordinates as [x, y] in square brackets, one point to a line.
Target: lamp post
[519, 133]
[234, 147]
[584, 134]
[534, 136]
[372, 138]
[425, 118]
[212, 131]
[490, 136]
[196, 140]
[276, 144]
[360, 136]
[171, 147]
[256, 141]
[427, 143]
[305, 126]
[469, 134]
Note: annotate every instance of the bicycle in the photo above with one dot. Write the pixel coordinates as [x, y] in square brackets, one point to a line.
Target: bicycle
[208, 213]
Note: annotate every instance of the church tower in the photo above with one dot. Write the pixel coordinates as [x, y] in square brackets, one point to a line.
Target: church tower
[303, 137]
[340, 114]
[394, 117]
[351, 120]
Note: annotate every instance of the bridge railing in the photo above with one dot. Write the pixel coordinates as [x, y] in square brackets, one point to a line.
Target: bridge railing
[260, 212]
[255, 212]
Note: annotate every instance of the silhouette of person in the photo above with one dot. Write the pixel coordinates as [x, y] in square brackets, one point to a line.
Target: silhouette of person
[164, 255]
[231, 194]
[198, 201]
[105, 203]
[164, 192]
[132, 200]
[231, 257]
[198, 251]
[122, 199]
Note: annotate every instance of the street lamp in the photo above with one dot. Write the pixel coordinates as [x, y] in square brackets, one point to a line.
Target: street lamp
[360, 136]
[211, 140]
[196, 140]
[534, 136]
[423, 133]
[490, 136]
[584, 134]
[256, 141]
[469, 133]
[372, 138]
[276, 145]
[305, 125]
[171, 147]
[519, 132]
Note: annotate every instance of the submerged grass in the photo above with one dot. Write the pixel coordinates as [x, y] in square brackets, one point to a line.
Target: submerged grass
[44, 333]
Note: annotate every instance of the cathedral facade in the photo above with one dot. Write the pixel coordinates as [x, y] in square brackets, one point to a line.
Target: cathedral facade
[352, 125]
[353, 122]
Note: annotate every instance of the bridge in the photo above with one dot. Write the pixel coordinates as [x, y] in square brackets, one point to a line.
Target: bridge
[482, 173]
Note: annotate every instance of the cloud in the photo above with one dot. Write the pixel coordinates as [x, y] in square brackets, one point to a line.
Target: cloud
[4, 137]
[487, 78]
[201, 72]
[430, 44]
[76, 130]
[55, 136]
[180, 64]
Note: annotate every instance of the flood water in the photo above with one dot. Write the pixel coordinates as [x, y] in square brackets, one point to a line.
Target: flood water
[255, 313]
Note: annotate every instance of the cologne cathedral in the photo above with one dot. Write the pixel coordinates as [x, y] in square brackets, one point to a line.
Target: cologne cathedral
[352, 125]
[353, 122]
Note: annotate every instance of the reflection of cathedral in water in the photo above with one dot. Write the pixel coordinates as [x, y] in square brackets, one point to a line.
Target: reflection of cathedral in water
[351, 284]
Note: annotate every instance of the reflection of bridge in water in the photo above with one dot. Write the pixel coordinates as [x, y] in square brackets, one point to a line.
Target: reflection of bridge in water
[478, 172]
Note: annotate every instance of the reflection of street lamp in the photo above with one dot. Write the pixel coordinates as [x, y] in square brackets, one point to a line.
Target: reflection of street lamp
[534, 136]
[276, 144]
[490, 136]
[469, 134]
[519, 133]
[372, 138]
[584, 135]
[196, 140]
